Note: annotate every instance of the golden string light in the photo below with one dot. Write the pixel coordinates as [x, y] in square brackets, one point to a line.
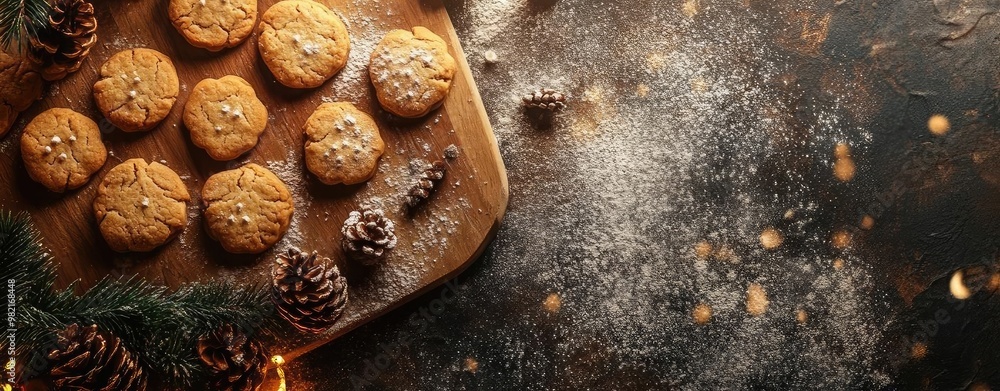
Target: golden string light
[957, 286]
[278, 361]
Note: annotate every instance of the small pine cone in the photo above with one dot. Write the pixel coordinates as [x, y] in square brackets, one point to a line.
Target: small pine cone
[236, 362]
[87, 360]
[308, 291]
[426, 185]
[545, 99]
[368, 235]
[60, 49]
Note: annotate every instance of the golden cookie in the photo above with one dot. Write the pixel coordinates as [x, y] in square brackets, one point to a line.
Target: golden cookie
[137, 89]
[412, 72]
[225, 117]
[302, 42]
[62, 149]
[20, 86]
[343, 144]
[247, 209]
[213, 24]
[140, 206]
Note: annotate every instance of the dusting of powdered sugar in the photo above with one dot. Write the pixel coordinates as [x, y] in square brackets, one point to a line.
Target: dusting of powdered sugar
[659, 111]
[291, 172]
[365, 31]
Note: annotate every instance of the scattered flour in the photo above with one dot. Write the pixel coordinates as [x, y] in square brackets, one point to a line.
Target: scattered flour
[292, 173]
[670, 126]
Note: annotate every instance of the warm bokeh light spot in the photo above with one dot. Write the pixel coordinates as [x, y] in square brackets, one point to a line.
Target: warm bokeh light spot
[938, 125]
[771, 239]
[701, 313]
[957, 286]
[757, 301]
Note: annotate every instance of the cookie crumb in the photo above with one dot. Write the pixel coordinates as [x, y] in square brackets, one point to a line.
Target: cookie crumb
[491, 57]
[451, 152]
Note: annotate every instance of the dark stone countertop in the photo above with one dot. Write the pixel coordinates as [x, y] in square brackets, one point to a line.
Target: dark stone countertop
[693, 127]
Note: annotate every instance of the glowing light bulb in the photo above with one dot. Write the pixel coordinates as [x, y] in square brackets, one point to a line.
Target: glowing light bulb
[957, 286]
[278, 361]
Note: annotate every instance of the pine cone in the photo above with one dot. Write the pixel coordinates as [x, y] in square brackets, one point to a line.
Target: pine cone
[545, 99]
[236, 362]
[426, 185]
[368, 235]
[308, 291]
[87, 360]
[61, 48]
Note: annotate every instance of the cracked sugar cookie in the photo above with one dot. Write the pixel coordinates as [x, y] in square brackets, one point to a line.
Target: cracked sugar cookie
[343, 144]
[140, 206]
[137, 89]
[62, 149]
[302, 42]
[411, 71]
[213, 24]
[225, 117]
[20, 85]
[247, 209]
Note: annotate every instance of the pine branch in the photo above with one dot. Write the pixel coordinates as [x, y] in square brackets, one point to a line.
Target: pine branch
[175, 361]
[20, 20]
[25, 260]
[160, 328]
[209, 305]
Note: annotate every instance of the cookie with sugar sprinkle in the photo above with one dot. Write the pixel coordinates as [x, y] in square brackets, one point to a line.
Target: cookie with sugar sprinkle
[412, 72]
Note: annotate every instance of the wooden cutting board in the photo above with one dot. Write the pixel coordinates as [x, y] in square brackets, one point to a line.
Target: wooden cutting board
[434, 244]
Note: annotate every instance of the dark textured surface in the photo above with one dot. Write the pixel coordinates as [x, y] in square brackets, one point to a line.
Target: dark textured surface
[613, 239]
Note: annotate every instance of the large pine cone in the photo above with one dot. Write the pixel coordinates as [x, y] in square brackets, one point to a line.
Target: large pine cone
[308, 290]
[87, 360]
[236, 361]
[61, 48]
[368, 235]
[426, 185]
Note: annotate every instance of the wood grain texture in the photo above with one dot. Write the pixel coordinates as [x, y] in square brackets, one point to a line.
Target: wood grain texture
[435, 244]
